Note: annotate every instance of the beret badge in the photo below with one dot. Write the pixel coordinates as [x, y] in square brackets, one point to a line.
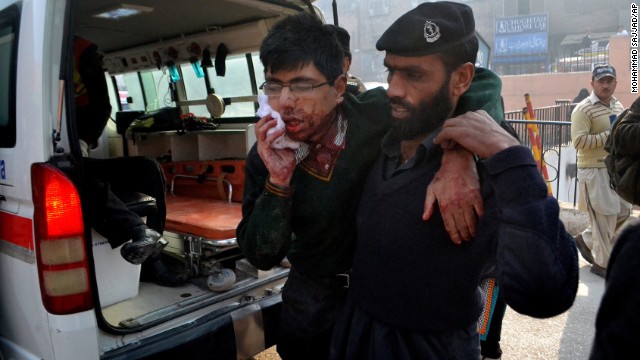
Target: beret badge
[431, 31]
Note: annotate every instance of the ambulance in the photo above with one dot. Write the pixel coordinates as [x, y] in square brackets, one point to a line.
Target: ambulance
[183, 77]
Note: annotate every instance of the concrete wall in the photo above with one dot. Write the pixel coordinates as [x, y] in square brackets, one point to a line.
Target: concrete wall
[545, 89]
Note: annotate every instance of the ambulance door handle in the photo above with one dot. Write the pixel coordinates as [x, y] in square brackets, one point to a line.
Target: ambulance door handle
[2, 198]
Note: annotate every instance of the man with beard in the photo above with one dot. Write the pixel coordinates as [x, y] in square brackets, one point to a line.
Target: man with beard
[302, 203]
[414, 294]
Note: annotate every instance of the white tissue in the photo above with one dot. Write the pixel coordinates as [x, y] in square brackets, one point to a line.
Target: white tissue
[283, 141]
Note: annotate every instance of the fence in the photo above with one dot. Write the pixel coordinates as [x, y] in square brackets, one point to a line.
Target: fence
[557, 154]
[561, 112]
[562, 59]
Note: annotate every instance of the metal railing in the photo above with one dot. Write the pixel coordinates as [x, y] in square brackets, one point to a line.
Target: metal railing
[561, 59]
[561, 112]
[556, 152]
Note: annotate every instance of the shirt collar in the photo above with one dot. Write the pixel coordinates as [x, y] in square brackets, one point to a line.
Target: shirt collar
[595, 99]
[334, 139]
[391, 145]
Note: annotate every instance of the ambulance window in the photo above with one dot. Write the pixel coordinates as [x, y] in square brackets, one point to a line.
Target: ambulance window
[148, 90]
[195, 88]
[156, 89]
[149, 85]
[236, 82]
[112, 96]
[129, 90]
[8, 69]
[259, 69]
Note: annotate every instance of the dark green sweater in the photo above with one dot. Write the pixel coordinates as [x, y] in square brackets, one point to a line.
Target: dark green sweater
[315, 225]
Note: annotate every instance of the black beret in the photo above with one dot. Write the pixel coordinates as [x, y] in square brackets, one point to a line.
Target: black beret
[428, 29]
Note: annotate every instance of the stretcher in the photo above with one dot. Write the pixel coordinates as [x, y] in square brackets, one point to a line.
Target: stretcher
[202, 219]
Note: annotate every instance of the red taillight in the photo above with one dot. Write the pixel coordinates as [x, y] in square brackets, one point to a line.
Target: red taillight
[60, 242]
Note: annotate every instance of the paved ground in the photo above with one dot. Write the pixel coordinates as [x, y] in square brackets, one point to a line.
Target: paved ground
[564, 337]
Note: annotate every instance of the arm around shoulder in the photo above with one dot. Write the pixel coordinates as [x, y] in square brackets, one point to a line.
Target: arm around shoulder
[537, 258]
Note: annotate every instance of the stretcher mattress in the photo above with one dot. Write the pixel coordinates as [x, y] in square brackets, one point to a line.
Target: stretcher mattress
[207, 218]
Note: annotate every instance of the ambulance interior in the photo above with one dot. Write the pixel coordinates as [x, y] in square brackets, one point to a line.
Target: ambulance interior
[200, 59]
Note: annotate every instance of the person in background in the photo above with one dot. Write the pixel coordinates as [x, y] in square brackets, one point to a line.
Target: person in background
[354, 84]
[586, 41]
[621, 31]
[590, 126]
[414, 294]
[617, 330]
[582, 94]
[301, 203]
[111, 182]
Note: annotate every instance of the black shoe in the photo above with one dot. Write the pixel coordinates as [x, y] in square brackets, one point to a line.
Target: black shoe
[490, 350]
[146, 242]
[154, 270]
[584, 249]
[599, 270]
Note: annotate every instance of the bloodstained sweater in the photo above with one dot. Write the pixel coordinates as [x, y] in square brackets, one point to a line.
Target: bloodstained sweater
[313, 223]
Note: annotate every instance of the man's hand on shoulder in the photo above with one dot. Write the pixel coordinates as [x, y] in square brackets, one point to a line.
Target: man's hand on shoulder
[477, 132]
[457, 189]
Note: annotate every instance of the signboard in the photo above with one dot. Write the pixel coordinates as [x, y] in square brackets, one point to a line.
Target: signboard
[482, 59]
[520, 35]
[522, 24]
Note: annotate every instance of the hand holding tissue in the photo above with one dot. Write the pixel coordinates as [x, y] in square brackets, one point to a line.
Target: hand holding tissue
[283, 141]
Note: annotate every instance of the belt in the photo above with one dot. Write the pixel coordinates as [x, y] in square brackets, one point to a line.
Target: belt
[337, 281]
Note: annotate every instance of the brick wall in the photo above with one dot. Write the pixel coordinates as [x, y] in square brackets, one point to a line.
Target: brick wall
[545, 89]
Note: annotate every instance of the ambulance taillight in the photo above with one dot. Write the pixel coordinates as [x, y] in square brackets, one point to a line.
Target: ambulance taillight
[60, 242]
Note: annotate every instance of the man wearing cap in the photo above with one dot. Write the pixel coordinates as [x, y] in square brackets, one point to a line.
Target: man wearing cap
[590, 127]
[302, 203]
[414, 294]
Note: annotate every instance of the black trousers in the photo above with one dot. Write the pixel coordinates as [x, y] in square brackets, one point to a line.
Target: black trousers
[310, 309]
[110, 180]
[490, 347]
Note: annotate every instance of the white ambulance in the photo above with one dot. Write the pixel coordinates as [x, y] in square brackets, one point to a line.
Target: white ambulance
[64, 292]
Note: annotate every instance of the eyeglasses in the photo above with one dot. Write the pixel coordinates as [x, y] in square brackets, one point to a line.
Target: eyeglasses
[297, 89]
